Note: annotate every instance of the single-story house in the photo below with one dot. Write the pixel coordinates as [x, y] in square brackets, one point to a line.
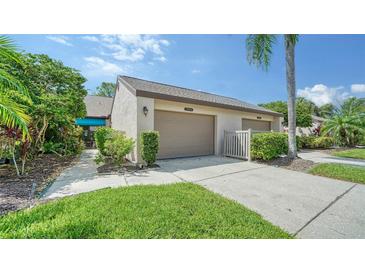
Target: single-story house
[190, 122]
[98, 109]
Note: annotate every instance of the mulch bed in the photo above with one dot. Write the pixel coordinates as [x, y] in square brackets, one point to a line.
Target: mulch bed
[297, 164]
[16, 192]
[110, 168]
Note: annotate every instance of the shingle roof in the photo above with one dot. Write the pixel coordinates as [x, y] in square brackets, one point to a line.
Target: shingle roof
[98, 106]
[169, 92]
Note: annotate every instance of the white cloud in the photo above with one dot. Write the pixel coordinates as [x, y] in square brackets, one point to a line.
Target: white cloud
[162, 59]
[195, 71]
[60, 39]
[90, 38]
[321, 94]
[123, 55]
[358, 88]
[97, 65]
[133, 48]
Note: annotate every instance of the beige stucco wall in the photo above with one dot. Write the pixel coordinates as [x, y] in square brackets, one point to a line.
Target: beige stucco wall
[225, 119]
[128, 117]
[124, 115]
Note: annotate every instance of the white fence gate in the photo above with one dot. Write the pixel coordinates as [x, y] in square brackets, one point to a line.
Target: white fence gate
[237, 144]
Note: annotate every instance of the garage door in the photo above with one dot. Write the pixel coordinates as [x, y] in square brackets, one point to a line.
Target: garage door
[184, 134]
[256, 125]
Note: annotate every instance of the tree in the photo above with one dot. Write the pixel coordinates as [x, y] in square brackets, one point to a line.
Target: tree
[106, 89]
[347, 125]
[326, 111]
[303, 112]
[12, 114]
[259, 50]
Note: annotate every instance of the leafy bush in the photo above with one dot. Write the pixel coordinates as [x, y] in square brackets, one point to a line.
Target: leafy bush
[117, 147]
[307, 141]
[101, 135]
[71, 145]
[267, 146]
[323, 142]
[316, 142]
[150, 141]
[51, 147]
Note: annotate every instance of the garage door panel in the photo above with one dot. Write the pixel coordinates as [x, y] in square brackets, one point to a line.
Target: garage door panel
[183, 134]
[256, 125]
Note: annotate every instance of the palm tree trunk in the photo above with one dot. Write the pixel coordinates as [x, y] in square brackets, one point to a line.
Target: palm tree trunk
[290, 83]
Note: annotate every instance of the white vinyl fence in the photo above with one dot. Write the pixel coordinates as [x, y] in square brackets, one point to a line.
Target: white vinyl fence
[237, 144]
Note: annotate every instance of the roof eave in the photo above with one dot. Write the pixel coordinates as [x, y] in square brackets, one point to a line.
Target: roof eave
[148, 94]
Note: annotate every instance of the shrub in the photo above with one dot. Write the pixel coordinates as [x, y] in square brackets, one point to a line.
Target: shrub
[316, 142]
[323, 142]
[101, 135]
[307, 141]
[71, 145]
[150, 141]
[267, 146]
[117, 147]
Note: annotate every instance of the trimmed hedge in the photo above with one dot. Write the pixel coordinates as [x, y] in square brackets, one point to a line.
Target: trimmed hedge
[267, 146]
[150, 142]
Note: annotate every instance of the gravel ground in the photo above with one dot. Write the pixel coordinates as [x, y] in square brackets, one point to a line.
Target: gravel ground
[15, 191]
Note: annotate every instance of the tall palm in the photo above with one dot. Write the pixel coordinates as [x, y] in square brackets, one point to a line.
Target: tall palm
[259, 51]
[12, 114]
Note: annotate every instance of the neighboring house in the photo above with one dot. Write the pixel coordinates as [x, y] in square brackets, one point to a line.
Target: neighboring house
[190, 122]
[98, 109]
[314, 129]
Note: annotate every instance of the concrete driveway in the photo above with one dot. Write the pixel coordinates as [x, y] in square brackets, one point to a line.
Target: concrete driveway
[305, 205]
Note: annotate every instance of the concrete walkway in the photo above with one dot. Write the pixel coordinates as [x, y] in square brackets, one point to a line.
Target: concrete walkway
[321, 157]
[305, 205]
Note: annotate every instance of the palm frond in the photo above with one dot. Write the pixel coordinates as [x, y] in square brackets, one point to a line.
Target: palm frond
[13, 115]
[8, 49]
[259, 49]
[7, 81]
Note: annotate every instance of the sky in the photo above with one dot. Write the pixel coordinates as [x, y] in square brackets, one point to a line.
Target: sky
[329, 68]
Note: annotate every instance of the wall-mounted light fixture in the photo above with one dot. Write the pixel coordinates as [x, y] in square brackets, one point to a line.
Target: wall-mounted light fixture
[145, 111]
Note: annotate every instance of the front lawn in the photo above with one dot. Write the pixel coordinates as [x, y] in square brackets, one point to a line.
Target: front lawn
[181, 210]
[357, 153]
[340, 171]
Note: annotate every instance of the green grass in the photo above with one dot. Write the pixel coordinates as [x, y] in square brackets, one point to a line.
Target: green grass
[340, 171]
[181, 210]
[358, 153]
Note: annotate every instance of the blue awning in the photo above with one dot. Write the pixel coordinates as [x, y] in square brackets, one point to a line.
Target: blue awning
[90, 121]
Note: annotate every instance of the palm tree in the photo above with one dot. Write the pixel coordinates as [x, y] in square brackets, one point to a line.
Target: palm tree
[347, 125]
[259, 50]
[12, 114]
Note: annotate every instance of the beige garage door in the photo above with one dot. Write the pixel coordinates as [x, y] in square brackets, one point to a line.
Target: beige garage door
[184, 134]
[256, 125]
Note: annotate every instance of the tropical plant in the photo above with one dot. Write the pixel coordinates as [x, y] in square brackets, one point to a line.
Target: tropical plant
[326, 111]
[347, 126]
[12, 113]
[259, 51]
